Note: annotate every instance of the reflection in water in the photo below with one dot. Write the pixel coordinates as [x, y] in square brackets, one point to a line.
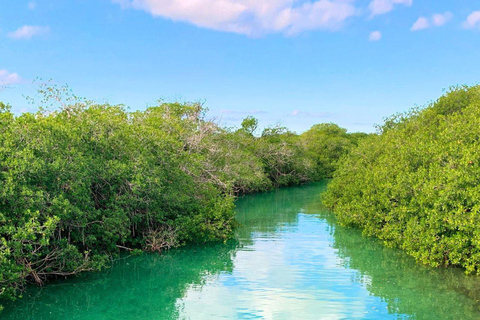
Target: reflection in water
[289, 261]
[142, 287]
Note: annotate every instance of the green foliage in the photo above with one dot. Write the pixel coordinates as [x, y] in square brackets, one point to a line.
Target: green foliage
[415, 185]
[81, 181]
[250, 125]
[326, 143]
[283, 157]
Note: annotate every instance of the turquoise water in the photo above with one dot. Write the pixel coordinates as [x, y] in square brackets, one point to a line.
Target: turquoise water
[289, 260]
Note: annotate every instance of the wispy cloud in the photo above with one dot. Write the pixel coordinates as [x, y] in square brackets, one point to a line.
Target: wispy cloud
[252, 17]
[437, 20]
[32, 5]
[251, 112]
[298, 113]
[473, 21]
[7, 77]
[375, 36]
[27, 32]
[420, 24]
[378, 7]
[237, 115]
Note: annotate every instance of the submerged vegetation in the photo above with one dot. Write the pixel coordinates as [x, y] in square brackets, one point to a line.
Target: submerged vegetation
[80, 182]
[415, 185]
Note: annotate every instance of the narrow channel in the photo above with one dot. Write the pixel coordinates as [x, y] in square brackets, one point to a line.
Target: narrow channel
[289, 260]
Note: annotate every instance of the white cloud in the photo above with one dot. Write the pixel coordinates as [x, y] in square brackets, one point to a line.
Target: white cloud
[251, 17]
[375, 36]
[267, 285]
[420, 24]
[473, 21]
[306, 114]
[437, 20]
[27, 32]
[32, 5]
[7, 77]
[229, 111]
[378, 7]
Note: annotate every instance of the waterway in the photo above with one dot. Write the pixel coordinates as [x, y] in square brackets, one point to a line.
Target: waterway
[289, 260]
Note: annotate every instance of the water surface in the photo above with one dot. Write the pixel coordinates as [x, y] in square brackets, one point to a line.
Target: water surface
[289, 260]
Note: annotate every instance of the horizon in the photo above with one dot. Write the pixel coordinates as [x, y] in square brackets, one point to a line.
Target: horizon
[296, 63]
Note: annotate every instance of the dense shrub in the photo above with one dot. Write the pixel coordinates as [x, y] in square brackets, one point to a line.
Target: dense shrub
[78, 183]
[416, 184]
[81, 181]
[325, 144]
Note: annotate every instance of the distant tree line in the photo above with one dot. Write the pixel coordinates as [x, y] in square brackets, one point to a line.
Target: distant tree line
[81, 181]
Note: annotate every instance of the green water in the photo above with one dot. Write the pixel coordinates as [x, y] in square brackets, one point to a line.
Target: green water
[289, 261]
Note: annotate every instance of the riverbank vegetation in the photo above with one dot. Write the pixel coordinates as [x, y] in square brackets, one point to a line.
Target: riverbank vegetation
[81, 181]
[415, 184]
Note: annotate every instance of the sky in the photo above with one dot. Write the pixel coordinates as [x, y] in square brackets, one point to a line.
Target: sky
[288, 62]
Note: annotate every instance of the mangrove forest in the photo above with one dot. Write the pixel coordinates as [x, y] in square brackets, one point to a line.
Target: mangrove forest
[84, 185]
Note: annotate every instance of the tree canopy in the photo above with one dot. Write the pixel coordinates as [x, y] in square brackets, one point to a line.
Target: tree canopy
[81, 181]
[415, 184]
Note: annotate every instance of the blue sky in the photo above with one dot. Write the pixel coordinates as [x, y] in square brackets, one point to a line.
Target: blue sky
[292, 62]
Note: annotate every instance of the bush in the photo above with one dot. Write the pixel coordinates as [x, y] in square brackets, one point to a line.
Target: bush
[416, 184]
[81, 181]
[78, 183]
